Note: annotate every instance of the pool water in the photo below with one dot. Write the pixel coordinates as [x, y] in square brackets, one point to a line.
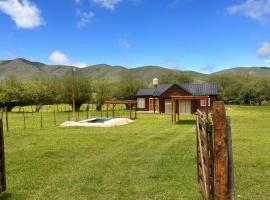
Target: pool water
[98, 120]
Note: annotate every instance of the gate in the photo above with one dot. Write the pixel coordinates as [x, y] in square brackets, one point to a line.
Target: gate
[214, 154]
[2, 160]
[205, 160]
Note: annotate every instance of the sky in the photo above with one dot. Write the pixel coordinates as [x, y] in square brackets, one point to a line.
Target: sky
[200, 35]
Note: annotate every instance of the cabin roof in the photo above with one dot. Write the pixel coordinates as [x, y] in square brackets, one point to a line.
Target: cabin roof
[194, 89]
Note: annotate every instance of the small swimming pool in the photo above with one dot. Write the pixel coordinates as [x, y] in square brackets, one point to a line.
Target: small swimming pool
[99, 122]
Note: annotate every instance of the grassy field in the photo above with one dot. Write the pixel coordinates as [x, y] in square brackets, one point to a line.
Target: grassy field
[148, 159]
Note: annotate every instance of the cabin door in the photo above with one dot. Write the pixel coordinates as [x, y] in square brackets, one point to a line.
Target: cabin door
[168, 106]
[185, 107]
[151, 104]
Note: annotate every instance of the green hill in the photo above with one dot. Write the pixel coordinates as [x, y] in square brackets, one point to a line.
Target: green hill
[27, 69]
[246, 71]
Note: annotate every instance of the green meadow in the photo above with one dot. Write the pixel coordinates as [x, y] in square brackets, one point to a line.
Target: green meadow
[147, 159]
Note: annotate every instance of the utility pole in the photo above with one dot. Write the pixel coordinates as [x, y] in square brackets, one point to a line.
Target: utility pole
[73, 94]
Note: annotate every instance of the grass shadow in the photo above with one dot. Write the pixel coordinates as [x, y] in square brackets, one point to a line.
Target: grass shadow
[6, 196]
[186, 122]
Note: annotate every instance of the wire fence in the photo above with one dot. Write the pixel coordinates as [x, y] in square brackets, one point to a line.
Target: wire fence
[26, 117]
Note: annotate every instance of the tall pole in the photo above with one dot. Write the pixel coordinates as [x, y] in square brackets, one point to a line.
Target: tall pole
[73, 94]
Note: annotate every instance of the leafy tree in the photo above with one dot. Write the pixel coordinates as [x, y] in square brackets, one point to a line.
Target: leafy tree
[175, 77]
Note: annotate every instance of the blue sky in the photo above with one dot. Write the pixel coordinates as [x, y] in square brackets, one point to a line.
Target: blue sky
[201, 35]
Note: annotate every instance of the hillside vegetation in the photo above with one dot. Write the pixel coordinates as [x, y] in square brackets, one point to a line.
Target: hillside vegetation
[27, 69]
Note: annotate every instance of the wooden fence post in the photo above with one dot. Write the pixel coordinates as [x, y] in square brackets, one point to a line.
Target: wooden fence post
[6, 112]
[221, 153]
[24, 123]
[230, 160]
[2, 160]
[41, 118]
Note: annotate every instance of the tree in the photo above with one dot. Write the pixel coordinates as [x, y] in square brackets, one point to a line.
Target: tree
[175, 77]
[83, 91]
[102, 93]
[129, 86]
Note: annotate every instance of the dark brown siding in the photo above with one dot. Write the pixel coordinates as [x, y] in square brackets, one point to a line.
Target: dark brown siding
[174, 90]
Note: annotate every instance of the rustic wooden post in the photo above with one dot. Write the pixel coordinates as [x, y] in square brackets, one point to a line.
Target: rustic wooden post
[221, 153]
[107, 110]
[172, 110]
[129, 110]
[197, 146]
[135, 110]
[6, 112]
[101, 110]
[2, 159]
[230, 167]
[113, 110]
[24, 124]
[178, 115]
[41, 118]
[87, 113]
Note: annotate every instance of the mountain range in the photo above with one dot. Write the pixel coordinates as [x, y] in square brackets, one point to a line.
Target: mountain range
[27, 69]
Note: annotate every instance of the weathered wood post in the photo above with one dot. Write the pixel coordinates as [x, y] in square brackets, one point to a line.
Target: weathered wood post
[24, 123]
[113, 111]
[6, 112]
[107, 110]
[41, 118]
[130, 111]
[224, 188]
[2, 160]
[87, 112]
[135, 110]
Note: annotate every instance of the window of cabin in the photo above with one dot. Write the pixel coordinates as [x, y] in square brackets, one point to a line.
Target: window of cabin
[203, 102]
[140, 102]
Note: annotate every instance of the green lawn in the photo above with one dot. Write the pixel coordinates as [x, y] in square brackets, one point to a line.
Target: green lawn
[148, 159]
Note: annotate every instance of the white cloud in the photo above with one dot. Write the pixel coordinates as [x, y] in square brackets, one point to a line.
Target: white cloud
[85, 18]
[59, 58]
[108, 4]
[124, 43]
[264, 51]
[23, 12]
[256, 9]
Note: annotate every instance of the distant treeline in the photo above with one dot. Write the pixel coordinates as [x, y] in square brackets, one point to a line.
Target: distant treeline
[243, 89]
[18, 92]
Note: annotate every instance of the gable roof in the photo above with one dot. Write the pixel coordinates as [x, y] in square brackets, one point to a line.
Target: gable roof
[145, 92]
[194, 89]
[201, 89]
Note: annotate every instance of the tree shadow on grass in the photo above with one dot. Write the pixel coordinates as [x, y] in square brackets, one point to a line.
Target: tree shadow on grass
[6, 196]
[186, 122]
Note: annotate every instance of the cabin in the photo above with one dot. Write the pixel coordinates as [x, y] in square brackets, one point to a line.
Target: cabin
[159, 98]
